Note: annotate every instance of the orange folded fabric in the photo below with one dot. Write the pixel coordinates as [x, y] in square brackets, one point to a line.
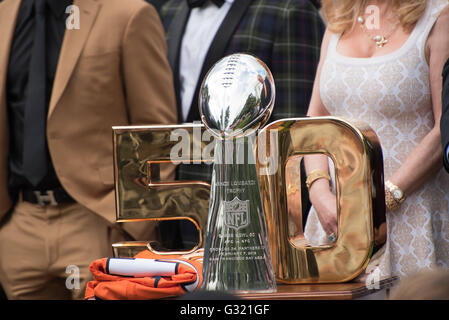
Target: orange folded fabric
[146, 276]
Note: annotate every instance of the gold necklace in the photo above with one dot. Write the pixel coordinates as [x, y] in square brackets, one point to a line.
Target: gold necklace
[381, 40]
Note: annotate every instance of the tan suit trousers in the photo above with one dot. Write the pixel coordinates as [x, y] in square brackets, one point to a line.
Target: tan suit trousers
[45, 252]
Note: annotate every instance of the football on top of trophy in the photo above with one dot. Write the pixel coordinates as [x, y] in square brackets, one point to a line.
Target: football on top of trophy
[236, 96]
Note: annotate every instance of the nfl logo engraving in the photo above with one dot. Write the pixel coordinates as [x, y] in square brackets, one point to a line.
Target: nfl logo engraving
[236, 213]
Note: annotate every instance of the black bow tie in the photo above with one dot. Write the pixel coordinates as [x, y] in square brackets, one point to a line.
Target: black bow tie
[200, 3]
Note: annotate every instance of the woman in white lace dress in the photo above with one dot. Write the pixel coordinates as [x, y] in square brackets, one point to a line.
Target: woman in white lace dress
[381, 62]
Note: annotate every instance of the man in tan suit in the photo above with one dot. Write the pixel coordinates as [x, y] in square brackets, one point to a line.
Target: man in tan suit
[56, 179]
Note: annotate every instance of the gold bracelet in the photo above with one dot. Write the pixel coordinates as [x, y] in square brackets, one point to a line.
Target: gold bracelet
[315, 175]
[390, 203]
[394, 196]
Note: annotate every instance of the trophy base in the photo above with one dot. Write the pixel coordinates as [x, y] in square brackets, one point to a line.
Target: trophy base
[238, 284]
[252, 291]
[243, 291]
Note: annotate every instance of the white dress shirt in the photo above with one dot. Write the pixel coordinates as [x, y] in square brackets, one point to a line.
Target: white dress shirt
[200, 31]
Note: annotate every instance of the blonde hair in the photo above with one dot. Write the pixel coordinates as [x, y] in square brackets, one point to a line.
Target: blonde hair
[341, 15]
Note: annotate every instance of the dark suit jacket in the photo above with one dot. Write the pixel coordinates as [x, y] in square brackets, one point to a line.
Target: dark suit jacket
[157, 4]
[286, 35]
[110, 73]
[444, 124]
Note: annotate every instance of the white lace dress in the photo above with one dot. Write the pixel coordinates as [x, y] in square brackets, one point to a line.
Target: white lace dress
[392, 94]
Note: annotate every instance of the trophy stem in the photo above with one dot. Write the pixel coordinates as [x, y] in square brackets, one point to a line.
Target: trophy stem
[237, 254]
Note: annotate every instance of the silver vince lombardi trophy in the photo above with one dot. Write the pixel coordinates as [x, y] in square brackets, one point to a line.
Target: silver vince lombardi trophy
[236, 99]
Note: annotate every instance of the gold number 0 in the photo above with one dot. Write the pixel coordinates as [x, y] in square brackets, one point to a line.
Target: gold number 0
[357, 157]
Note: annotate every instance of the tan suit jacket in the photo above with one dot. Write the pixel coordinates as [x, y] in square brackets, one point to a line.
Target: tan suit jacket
[112, 71]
